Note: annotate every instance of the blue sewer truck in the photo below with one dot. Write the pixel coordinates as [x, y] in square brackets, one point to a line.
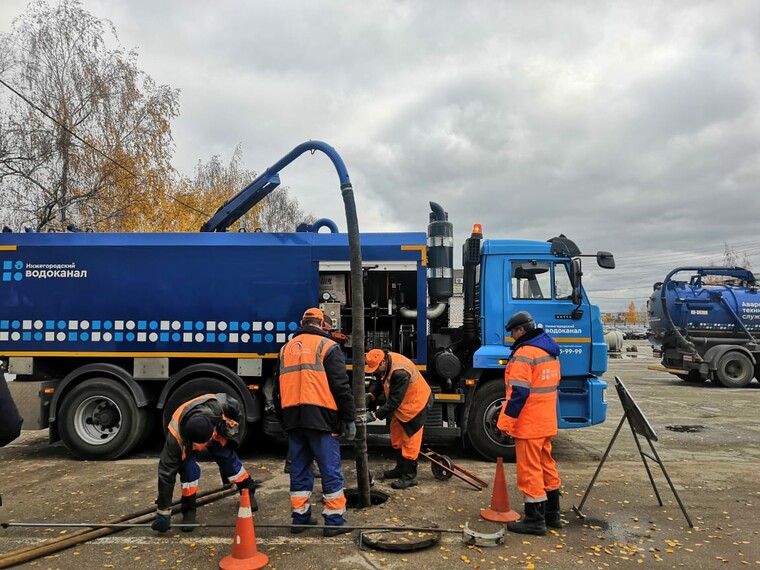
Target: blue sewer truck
[705, 324]
[107, 334]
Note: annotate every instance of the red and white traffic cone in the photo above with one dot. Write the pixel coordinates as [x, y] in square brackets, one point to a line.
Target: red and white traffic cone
[245, 555]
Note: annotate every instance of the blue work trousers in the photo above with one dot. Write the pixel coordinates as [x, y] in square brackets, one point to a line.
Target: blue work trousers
[230, 468]
[306, 446]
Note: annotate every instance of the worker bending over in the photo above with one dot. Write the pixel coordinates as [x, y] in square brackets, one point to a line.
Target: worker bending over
[407, 400]
[208, 422]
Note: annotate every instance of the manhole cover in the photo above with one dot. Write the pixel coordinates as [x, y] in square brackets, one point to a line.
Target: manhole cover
[686, 428]
[402, 540]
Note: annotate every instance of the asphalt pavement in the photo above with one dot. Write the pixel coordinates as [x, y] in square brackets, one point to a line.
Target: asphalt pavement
[708, 441]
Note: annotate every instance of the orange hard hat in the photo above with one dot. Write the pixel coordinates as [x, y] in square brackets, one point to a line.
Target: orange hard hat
[313, 313]
[373, 359]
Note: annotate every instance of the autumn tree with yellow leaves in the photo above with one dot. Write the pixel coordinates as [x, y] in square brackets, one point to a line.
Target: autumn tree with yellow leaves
[193, 201]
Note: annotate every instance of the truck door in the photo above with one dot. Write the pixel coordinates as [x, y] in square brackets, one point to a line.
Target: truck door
[544, 289]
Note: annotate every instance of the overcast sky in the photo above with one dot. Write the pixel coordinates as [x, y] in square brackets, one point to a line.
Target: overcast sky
[632, 127]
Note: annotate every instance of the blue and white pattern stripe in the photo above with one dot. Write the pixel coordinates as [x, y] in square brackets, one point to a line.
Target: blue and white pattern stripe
[145, 331]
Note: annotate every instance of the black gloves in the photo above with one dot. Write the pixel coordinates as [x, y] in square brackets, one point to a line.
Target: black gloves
[250, 484]
[349, 431]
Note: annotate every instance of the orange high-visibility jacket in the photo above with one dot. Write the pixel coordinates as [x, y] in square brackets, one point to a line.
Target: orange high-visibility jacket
[417, 393]
[533, 369]
[305, 396]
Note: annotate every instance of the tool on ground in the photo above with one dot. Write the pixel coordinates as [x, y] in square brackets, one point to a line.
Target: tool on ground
[94, 531]
[228, 525]
[499, 511]
[474, 538]
[443, 469]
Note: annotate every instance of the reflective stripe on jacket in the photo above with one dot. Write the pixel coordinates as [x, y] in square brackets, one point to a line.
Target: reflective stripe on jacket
[532, 378]
[180, 413]
[303, 379]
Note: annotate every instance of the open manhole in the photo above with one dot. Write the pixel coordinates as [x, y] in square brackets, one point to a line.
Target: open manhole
[686, 428]
[375, 498]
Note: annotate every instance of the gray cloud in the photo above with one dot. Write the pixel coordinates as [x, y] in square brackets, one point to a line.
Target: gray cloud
[631, 127]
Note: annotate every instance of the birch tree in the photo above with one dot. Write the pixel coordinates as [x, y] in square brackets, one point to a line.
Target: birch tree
[86, 135]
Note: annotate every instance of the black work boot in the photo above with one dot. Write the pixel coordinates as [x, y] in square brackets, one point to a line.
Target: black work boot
[396, 472]
[552, 517]
[187, 507]
[408, 474]
[533, 522]
[301, 527]
[332, 530]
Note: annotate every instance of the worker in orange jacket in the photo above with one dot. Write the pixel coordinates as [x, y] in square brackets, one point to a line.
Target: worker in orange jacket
[210, 422]
[407, 400]
[529, 416]
[314, 403]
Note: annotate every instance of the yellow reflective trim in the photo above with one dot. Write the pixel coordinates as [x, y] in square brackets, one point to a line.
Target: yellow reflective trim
[7, 248]
[451, 397]
[422, 249]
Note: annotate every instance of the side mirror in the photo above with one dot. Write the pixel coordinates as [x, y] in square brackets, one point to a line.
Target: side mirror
[575, 276]
[605, 259]
[576, 272]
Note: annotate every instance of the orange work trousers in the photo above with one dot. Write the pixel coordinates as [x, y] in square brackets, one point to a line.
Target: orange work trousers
[409, 445]
[536, 469]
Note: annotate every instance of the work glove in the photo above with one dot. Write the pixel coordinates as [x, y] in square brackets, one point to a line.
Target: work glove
[370, 417]
[162, 522]
[250, 484]
[349, 431]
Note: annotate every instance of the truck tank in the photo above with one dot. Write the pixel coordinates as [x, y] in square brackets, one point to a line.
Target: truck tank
[706, 324]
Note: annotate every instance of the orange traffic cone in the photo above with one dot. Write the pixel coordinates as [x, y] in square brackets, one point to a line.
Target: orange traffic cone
[245, 555]
[499, 511]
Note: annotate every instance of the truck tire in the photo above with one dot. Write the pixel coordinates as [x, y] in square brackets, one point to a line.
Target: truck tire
[99, 419]
[197, 387]
[735, 370]
[482, 433]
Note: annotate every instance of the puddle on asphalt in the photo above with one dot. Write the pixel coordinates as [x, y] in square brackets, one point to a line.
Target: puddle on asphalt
[686, 428]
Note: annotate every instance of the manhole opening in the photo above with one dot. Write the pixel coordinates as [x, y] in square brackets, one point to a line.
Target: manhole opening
[685, 428]
[375, 498]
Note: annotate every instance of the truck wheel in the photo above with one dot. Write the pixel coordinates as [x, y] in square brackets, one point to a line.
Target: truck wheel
[197, 387]
[482, 433]
[99, 419]
[735, 370]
